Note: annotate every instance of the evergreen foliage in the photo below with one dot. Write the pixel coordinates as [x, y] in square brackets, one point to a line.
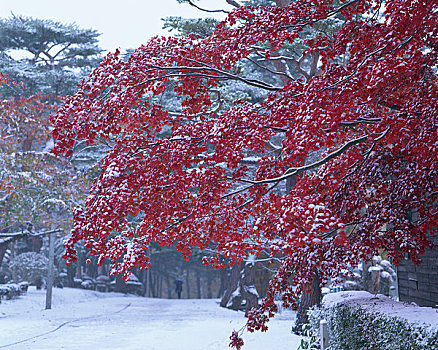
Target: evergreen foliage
[46, 56]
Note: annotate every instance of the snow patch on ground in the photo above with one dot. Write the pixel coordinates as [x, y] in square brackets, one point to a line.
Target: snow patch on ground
[83, 319]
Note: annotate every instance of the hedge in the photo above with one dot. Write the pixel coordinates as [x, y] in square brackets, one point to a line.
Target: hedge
[361, 321]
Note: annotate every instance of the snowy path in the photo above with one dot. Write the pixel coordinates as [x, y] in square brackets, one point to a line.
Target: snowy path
[90, 320]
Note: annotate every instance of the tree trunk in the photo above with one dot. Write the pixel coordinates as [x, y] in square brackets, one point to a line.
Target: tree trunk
[248, 289]
[231, 285]
[282, 3]
[70, 276]
[78, 268]
[50, 276]
[223, 281]
[313, 297]
[3, 248]
[120, 286]
[198, 285]
[187, 284]
[153, 284]
[37, 243]
[169, 288]
[160, 286]
[209, 282]
[366, 277]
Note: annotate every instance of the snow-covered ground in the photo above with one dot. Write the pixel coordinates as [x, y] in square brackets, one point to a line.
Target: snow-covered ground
[88, 320]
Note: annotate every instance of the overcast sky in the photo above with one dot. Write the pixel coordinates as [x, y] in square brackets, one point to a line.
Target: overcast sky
[122, 23]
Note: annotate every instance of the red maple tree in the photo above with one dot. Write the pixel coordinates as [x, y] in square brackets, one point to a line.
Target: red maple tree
[367, 110]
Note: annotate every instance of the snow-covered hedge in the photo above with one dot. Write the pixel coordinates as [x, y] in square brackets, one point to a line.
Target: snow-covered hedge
[13, 290]
[360, 320]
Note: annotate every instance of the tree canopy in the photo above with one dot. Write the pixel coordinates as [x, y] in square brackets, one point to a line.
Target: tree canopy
[52, 55]
[356, 130]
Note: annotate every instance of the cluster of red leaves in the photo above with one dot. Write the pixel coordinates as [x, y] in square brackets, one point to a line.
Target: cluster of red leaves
[374, 118]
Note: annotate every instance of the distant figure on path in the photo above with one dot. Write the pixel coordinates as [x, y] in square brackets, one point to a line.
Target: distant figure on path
[178, 287]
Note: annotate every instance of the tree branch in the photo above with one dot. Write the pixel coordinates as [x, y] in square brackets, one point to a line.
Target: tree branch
[223, 75]
[295, 171]
[367, 155]
[191, 3]
[233, 3]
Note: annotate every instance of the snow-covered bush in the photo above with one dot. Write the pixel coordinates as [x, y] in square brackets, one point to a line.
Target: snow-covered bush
[358, 320]
[10, 290]
[31, 267]
[87, 284]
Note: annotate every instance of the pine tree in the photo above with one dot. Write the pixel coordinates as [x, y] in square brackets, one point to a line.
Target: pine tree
[55, 55]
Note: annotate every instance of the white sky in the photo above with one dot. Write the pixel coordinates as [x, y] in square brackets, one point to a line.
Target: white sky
[122, 23]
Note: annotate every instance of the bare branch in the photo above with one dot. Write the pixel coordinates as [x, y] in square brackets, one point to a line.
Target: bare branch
[330, 14]
[295, 171]
[275, 128]
[282, 73]
[191, 3]
[190, 71]
[360, 121]
[233, 3]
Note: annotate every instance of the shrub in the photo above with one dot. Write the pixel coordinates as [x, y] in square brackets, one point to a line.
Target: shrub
[355, 325]
[30, 266]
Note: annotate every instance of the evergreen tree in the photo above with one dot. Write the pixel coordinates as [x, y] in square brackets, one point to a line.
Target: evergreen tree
[54, 56]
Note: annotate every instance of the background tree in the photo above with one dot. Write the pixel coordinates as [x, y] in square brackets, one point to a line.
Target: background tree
[359, 136]
[47, 56]
[37, 189]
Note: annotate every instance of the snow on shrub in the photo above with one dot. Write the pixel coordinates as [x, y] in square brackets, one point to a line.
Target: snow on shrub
[30, 266]
[12, 290]
[359, 320]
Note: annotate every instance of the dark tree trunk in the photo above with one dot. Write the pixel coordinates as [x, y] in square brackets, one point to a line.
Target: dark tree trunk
[366, 276]
[71, 271]
[160, 286]
[144, 281]
[37, 243]
[198, 284]
[169, 288]
[3, 248]
[120, 286]
[223, 281]
[92, 269]
[209, 282]
[153, 285]
[313, 297]
[187, 284]
[78, 267]
[27, 143]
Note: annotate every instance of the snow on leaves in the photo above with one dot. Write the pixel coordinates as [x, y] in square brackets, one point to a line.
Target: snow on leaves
[358, 135]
